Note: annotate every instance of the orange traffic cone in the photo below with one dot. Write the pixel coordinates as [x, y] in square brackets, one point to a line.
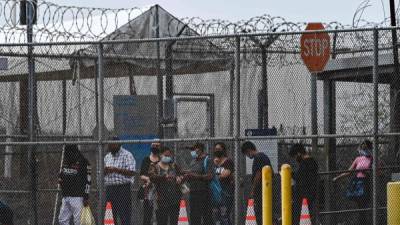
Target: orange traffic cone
[250, 216]
[305, 218]
[183, 218]
[108, 217]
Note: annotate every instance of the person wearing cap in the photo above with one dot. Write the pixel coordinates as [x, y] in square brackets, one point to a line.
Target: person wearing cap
[199, 176]
[120, 167]
[306, 182]
[74, 180]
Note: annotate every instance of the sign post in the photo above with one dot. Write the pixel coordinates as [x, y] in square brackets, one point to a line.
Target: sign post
[315, 52]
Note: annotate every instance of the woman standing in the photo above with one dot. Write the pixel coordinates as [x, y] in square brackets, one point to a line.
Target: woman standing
[146, 190]
[224, 168]
[167, 178]
[361, 182]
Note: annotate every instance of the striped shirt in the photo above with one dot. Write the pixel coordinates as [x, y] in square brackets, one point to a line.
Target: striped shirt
[123, 159]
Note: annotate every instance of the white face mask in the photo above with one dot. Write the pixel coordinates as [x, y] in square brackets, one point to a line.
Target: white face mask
[194, 154]
[166, 159]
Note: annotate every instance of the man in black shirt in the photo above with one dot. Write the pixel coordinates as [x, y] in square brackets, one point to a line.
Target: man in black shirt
[306, 182]
[259, 161]
[75, 182]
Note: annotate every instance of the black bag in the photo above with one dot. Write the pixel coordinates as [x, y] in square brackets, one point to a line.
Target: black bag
[357, 189]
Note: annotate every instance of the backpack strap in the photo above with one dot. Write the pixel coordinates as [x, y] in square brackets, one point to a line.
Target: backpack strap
[205, 164]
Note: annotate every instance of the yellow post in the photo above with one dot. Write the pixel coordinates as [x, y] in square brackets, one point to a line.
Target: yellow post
[267, 195]
[286, 186]
[393, 203]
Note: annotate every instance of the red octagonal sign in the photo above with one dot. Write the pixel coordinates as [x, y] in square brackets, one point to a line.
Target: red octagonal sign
[315, 48]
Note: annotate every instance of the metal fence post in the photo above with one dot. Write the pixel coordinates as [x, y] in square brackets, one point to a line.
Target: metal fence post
[237, 132]
[314, 111]
[264, 78]
[375, 149]
[160, 85]
[231, 100]
[32, 112]
[100, 125]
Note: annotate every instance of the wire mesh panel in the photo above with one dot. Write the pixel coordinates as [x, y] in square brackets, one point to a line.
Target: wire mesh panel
[190, 94]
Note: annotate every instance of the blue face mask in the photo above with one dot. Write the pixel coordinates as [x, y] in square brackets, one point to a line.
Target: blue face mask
[166, 159]
[363, 152]
[194, 154]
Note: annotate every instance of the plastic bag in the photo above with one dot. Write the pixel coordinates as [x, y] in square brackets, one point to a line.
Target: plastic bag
[185, 189]
[87, 216]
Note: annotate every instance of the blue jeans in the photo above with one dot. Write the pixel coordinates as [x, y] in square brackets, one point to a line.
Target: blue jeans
[120, 198]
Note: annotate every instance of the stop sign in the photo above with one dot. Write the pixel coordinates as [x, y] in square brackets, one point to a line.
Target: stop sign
[315, 48]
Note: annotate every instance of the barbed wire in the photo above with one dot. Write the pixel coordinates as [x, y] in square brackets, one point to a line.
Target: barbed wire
[63, 23]
[57, 23]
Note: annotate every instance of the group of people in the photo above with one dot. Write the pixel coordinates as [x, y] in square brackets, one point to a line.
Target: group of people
[164, 183]
[305, 177]
[209, 182]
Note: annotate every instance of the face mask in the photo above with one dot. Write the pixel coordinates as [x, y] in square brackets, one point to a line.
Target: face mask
[250, 156]
[194, 154]
[219, 154]
[166, 159]
[155, 151]
[362, 152]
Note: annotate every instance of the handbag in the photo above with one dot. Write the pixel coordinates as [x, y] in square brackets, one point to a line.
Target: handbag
[214, 185]
[356, 189]
[87, 216]
[216, 190]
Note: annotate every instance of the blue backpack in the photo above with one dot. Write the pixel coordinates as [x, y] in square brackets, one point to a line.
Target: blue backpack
[215, 186]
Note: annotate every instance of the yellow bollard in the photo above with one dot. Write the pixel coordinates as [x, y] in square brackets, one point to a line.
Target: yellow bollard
[286, 189]
[267, 195]
[393, 203]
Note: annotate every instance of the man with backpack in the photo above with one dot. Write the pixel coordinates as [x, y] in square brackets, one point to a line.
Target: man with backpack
[199, 177]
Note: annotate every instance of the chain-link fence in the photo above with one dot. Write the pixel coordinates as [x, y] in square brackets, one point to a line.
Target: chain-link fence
[183, 90]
